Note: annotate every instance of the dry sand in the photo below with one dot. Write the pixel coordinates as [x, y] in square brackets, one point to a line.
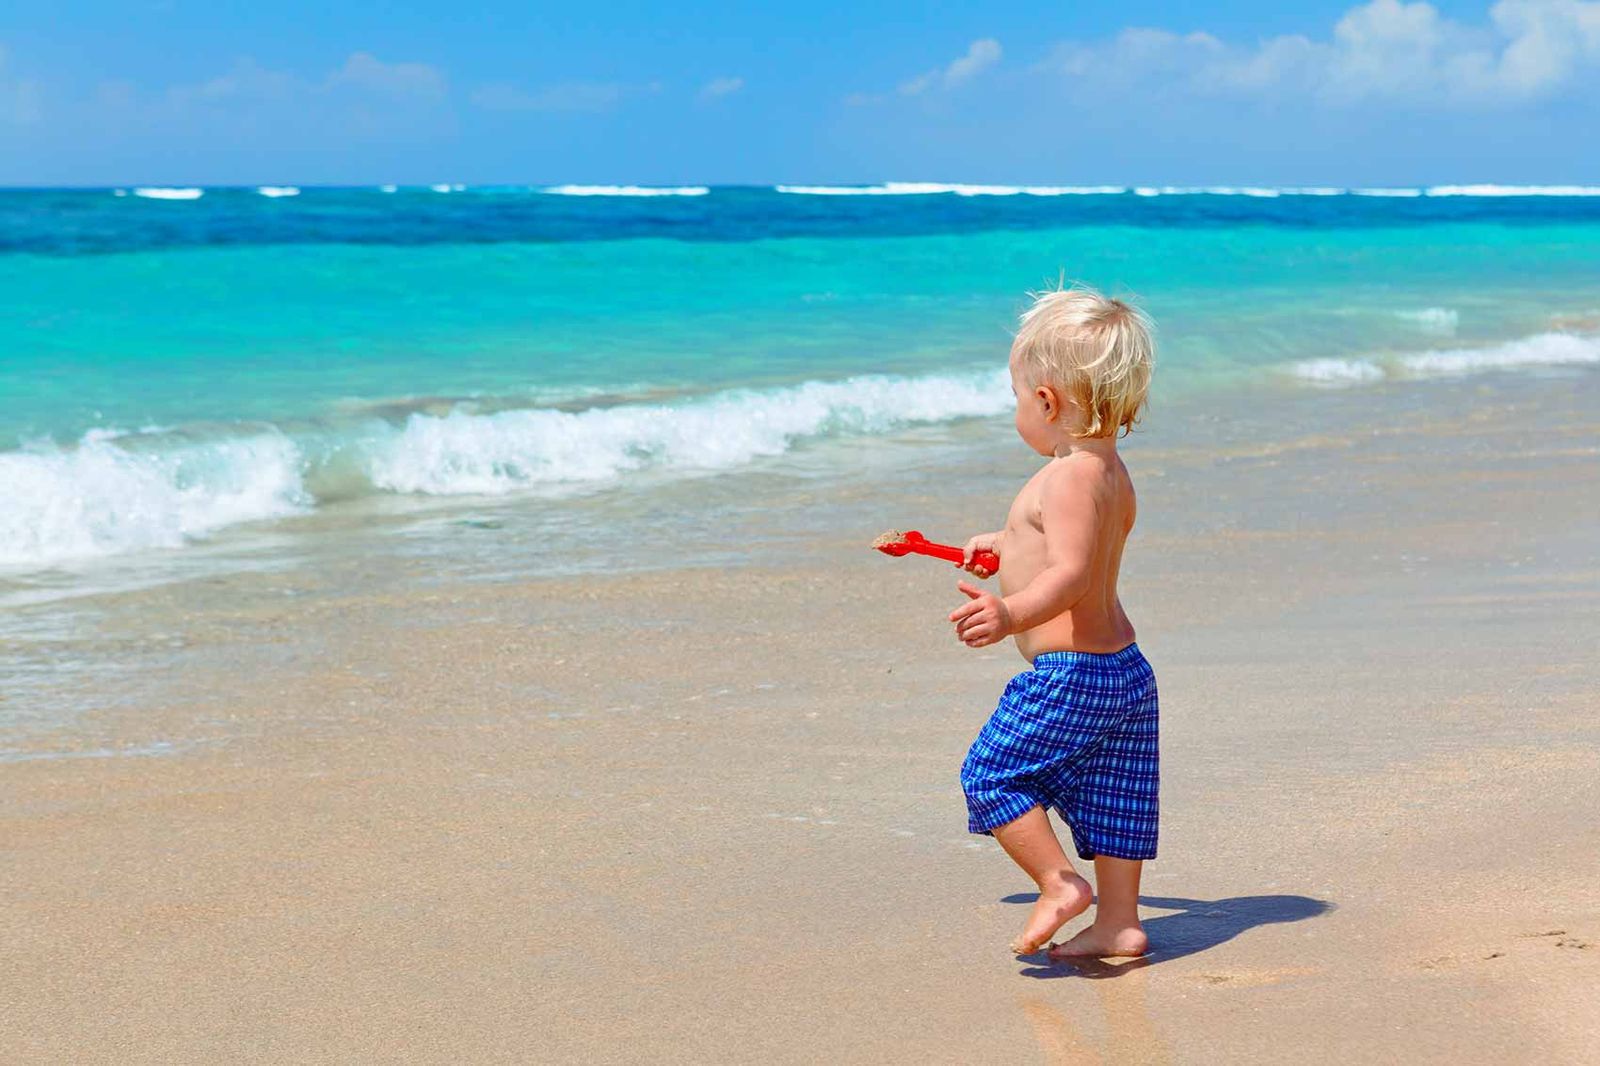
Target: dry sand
[708, 815]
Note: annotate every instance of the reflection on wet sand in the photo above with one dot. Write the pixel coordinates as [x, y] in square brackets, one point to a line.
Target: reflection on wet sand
[1129, 1033]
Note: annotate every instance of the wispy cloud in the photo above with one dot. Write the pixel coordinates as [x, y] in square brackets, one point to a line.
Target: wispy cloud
[361, 75]
[980, 55]
[717, 88]
[365, 71]
[362, 100]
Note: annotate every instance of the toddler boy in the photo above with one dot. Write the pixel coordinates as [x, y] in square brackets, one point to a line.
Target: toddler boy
[1077, 732]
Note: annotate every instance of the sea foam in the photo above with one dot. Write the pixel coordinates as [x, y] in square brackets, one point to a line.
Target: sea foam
[934, 188]
[464, 453]
[1514, 190]
[1337, 371]
[276, 191]
[1267, 192]
[151, 193]
[1440, 320]
[626, 190]
[104, 495]
[1541, 350]
[112, 492]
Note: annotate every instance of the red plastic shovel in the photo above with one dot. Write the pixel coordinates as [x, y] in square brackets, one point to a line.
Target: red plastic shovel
[897, 543]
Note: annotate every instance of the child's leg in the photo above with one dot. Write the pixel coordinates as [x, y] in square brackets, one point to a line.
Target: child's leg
[1116, 929]
[1063, 895]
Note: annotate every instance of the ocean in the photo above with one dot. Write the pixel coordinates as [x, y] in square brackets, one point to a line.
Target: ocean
[203, 378]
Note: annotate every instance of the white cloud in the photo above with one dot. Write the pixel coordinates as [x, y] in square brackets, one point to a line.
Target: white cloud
[1549, 41]
[980, 55]
[1279, 61]
[365, 71]
[1136, 54]
[719, 87]
[1389, 50]
[363, 99]
[247, 81]
[362, 75]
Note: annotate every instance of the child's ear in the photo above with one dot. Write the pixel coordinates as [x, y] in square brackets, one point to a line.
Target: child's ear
[1052, 403]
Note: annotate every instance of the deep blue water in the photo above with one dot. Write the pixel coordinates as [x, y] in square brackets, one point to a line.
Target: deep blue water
[86, 221]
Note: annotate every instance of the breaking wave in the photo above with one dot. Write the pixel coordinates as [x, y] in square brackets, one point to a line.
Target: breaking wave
[1440, 320]
[931, 188]
[1542, 350]
[169, 194]
[118, 492]
[1514, 190]
[107, 495]
[627, 190]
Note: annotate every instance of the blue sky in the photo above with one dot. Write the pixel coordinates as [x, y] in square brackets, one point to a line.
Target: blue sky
[1380, 92]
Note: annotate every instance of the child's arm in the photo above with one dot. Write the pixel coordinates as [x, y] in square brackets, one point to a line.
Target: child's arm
[1069, 513]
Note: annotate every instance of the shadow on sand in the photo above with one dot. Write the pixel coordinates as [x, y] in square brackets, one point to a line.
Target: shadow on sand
[1197, 926]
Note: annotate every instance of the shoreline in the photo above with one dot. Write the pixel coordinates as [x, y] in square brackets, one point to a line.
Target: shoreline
[568, 508]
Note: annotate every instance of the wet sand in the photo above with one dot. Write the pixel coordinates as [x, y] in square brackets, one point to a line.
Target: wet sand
[711, 813]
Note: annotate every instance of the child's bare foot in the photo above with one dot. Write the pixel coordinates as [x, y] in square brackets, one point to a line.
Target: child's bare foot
[1060, 901]
[1103, 942]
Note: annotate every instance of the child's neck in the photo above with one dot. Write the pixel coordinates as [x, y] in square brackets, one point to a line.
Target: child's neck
[1106, 445]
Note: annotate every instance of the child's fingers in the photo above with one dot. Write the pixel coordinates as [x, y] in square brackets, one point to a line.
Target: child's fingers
[974, 619]
[977, 625]
[970, 607]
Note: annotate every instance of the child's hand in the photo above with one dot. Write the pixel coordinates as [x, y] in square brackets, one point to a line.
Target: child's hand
[982, 620]
[989, 542]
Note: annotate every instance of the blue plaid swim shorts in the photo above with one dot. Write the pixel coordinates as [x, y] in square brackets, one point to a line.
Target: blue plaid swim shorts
[1078, 733]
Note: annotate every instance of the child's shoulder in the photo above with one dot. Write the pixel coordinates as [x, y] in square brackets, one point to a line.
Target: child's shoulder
[1083, 476]
[1083, 471]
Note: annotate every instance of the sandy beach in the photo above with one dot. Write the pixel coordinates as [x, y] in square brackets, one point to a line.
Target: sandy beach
[352, 809]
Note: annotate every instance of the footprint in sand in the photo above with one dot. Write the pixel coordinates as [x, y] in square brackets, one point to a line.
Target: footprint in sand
[1558, 937]
[1562, 939]
[1450, 962]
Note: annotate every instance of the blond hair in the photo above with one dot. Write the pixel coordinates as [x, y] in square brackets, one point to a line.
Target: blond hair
[1097, 352]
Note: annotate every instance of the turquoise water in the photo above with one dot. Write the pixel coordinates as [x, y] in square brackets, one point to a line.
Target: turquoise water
[250, 357]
